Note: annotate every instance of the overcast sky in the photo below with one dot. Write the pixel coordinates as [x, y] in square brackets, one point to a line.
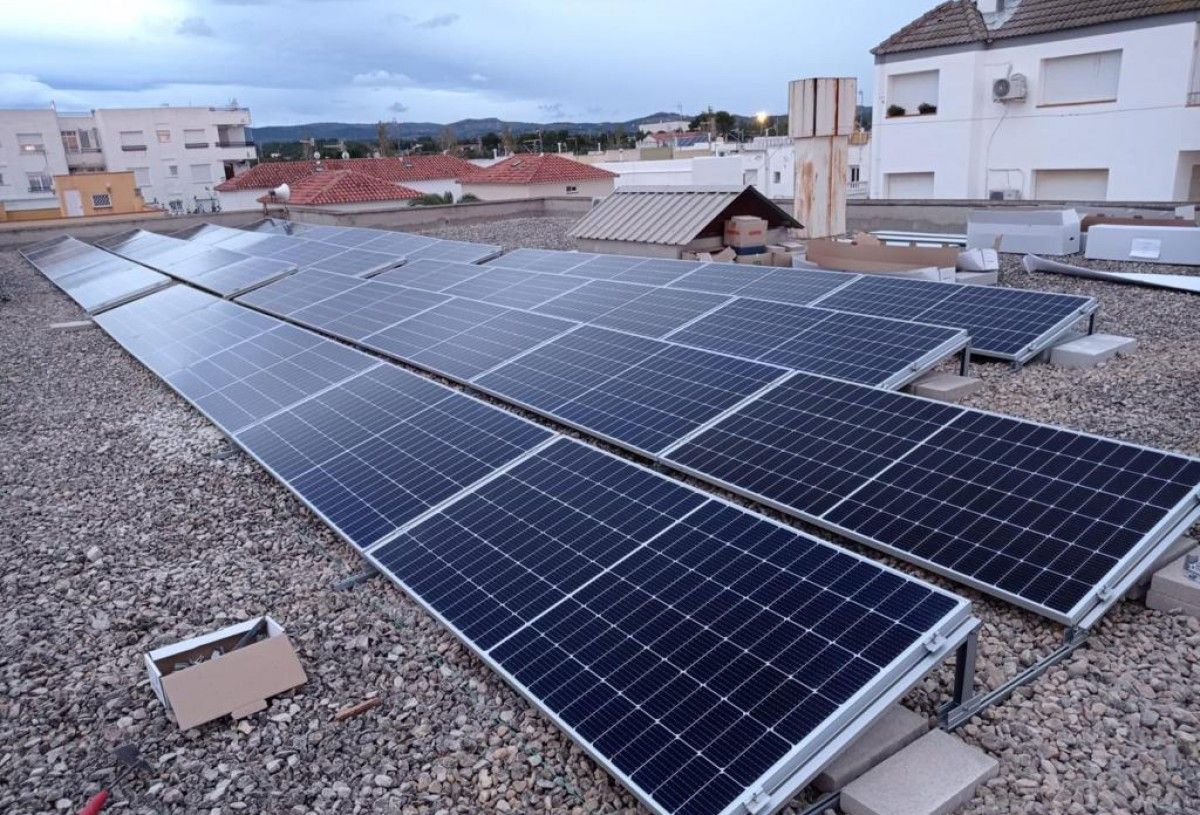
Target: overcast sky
[294, 61]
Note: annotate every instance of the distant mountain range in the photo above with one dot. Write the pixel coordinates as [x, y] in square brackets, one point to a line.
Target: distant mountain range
[464, 129]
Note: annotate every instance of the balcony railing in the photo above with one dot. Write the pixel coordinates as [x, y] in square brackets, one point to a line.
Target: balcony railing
[232, 143]
[35, 187]
[83, 151]
[195, 145]
[133, 148]
[1194, 98]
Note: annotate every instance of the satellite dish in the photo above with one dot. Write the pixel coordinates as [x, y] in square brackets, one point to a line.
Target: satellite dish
[375, 154]
[282, 193]
[345, 155]
[317, 155]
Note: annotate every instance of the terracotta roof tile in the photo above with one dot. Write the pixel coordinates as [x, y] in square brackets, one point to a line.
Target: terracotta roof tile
[959, 22]
[398, 170]
[342, 187]
[544, 168]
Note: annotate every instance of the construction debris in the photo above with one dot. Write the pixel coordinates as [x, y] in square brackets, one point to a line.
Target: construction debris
[1177, 282]
[356, 710]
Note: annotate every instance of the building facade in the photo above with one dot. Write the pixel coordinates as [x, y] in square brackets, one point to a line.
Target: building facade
[1040, 99]
[177, 155]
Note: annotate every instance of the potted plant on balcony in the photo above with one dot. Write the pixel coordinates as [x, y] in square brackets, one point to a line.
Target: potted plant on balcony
[926, 109]
[895, 110]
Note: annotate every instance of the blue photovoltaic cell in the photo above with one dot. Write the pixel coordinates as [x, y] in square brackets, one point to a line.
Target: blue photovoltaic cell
[641, 393]
[378, 450]
[536, 289]
[356, 262]
[462, 338]
[243, 275]
[689, 643]
[606, 267]
[809, 442]
[463, 251]
[431, 275]
[658, 271]
[541, 260]
[799, 286]
[860, 348]
[659, 311]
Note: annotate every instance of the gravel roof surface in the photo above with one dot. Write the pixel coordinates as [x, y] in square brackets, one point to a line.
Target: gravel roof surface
[124, 532]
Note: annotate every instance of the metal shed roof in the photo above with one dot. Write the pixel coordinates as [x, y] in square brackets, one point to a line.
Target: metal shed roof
[673, 216]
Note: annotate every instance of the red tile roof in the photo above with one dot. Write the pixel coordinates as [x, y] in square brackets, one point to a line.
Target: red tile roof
[544, 168]
[398, 170]
[342, 187]
[959, 22]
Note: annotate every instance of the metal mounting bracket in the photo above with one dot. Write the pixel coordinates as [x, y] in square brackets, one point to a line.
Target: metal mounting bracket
[349, 582]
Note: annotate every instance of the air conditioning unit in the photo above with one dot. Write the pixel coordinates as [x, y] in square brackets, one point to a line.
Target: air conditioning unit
[1011, 88]
[1004, 195]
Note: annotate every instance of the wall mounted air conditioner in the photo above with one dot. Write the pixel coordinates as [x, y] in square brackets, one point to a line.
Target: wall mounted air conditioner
[1004, 195]
[1011, 88]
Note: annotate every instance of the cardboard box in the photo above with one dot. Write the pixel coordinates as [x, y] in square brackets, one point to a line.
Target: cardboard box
[1024, 229]
[745, 230]
[236, 683]
[782, 258]
[865, 253]
[726, 255]
[760, 259]
[1098, 218]
[1146, 244]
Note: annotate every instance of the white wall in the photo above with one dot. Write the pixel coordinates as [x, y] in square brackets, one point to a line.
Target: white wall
[205, 126]
[973, 145]
[16, 163]
[507, 192]
[659, 173]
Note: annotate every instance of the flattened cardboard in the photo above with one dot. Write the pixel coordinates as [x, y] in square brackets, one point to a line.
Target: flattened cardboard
[237, 683]
[866, 254]
[1100, 219]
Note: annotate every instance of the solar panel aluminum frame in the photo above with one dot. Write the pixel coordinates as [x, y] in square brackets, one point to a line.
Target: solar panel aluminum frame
[105, 305]
[782, 782]
[1090, 608]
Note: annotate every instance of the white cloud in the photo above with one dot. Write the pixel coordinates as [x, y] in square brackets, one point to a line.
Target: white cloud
[477, 77]
[381, 79]
[194, 27]
[439, 21]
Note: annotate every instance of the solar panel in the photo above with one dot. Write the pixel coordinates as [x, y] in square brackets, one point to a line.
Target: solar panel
[461, 338]
[357, 262]
[243, 276]
[265, 373]
[266, 246]
[243, 241]
[197, 262]
[1006, 323]
[364, 310]
[431, 275]
[93, 278]
[795, 285]
[659, 311]
[721, 278]
[352, 237]
[541, 260]
[404, 243]
[307, 253]
[298, 291]
[590, 301]
[689, 646]
[606, 267]
[1047, 518]
[462, 251]
[639, 393]
[516, 289]
[378, 450]
[206, 233]
[658, 271]
[860, 348]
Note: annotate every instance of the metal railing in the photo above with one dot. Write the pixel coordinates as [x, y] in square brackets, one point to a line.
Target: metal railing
[36, 187]
[131, 148]
[230, 143]
[1194, 97]
[195, 145]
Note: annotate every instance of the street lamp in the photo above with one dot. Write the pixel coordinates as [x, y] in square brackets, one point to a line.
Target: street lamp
[763, 118]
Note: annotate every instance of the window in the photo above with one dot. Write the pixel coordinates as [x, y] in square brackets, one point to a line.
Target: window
[70, 140]
[194, 138]
[31, 143]
[855, 173]
[173, 171]
[40, 182]
[912, 93]
[1081, 78]
[910, 185]
[572, 189]
[164, 136]
[133, 140]
[201, 173]
[101, 200]
[141, 176]
[776, 177]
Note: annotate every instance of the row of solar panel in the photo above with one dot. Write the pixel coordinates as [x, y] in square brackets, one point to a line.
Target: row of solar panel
[1053, 524]
[93, 278]
[1005, 323]
[872, 350]
[694, 648]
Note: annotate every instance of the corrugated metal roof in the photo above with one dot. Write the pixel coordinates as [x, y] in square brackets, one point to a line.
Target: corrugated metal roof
[672, 216]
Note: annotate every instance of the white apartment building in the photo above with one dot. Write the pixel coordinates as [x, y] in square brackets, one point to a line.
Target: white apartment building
[177, 154]
[1099, 101]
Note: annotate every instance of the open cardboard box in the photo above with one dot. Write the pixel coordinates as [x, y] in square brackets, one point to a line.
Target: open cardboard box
[237, 683]
[866, 253]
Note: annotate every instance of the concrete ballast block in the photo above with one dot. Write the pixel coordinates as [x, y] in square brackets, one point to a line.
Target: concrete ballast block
[978, 278]
[897, 728]
[945, 387]
[1171, 589]
[1090, 351]
[1180, 547]
[934, 775]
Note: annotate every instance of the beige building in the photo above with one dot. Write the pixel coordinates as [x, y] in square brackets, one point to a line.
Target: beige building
[544, 175]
